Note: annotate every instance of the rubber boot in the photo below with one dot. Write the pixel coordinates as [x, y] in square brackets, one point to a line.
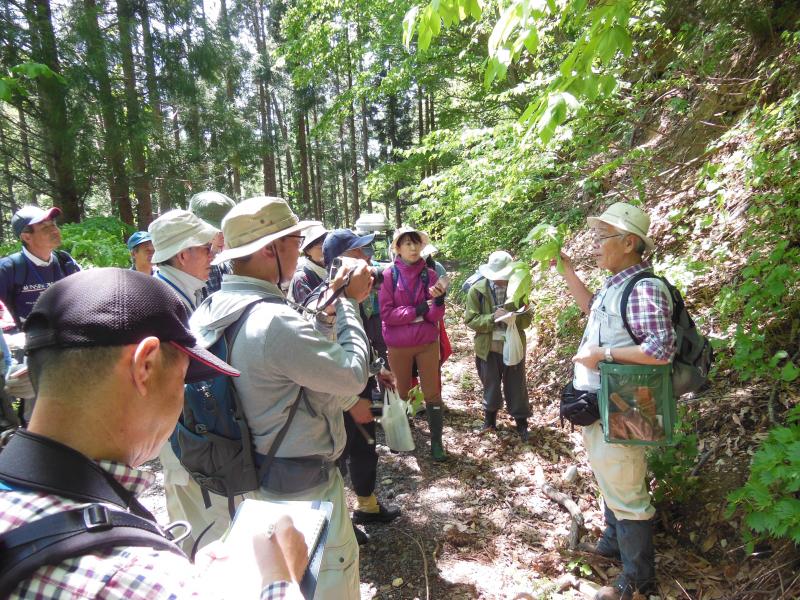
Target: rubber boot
[435, 423]
[489, 421]
[522, 429]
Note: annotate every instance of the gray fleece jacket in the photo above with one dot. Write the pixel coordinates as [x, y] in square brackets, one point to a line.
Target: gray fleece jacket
[277, 352]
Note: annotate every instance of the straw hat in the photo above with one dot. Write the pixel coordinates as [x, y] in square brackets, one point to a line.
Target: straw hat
[628, 218]
[255, 223]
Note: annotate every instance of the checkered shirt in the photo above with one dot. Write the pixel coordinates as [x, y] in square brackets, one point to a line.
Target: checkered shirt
[215, 278]
[132, 573]
[649, 313]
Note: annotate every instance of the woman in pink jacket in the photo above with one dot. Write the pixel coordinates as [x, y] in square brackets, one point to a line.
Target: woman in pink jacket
[412, 304]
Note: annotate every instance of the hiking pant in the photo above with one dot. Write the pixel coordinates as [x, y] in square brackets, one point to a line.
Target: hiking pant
[401, 361]
[338, 575]
[620, 472]
[633, 540]
[496, 376]
[185, 503]
[359, 457]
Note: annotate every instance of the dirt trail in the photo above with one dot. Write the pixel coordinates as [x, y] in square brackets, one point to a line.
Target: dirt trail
[479, 526]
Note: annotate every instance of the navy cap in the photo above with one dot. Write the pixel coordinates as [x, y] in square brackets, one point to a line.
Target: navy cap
[140, 237]
[31, 215]
[340, 241]
[117, 307]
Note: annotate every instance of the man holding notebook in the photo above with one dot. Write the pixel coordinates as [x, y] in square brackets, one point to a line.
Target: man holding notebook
[71, 524]
[295, 383]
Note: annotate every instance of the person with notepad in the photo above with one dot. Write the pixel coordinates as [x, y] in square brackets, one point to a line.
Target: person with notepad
[71, 523]
[295, 383]
[487, 315]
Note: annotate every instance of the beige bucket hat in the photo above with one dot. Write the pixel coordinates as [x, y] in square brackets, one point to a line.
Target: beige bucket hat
[178, 230]
[498, 267]
[255, 223]
[408, 229]
[628, 218]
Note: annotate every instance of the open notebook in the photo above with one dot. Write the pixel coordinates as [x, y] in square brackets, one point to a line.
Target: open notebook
[311, 518]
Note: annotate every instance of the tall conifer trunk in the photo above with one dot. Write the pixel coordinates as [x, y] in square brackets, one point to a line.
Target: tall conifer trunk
[97, 61]
[137, 132]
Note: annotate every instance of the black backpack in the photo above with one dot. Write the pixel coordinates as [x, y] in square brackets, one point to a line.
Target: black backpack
[694, 354]
[36, 463]
[212, 439]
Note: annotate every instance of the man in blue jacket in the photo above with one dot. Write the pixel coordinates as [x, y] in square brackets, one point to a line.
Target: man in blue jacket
[26, 274]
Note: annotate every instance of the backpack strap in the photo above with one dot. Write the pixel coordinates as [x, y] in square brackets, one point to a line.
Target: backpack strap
[55, 538]
[37, 463]
[20, 269]
[677, 300]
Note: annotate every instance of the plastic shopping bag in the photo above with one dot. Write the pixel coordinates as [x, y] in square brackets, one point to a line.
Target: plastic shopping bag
[513, 350]
[395, 423]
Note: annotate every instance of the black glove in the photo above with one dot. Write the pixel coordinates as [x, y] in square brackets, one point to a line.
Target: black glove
[422, 308]
[439, 300]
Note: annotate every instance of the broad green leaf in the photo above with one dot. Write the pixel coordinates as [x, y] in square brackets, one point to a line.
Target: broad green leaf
[409, 24]
[475, 9]
[504, 26]
[789, 372]
[5, 89]
[531, 40]
[424, 38]
[546, 252]
[32, 70]
[519, 285]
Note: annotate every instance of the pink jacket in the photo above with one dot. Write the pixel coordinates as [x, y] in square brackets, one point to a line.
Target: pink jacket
[398, 301]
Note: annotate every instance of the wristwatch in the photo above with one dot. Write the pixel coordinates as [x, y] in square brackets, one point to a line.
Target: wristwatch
[607, 355]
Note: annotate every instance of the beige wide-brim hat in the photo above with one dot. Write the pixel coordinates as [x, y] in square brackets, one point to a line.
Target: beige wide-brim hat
[498, 267]
[178, 230]
[629, 218]
[407, 229]
[313, 234]
[255, 223]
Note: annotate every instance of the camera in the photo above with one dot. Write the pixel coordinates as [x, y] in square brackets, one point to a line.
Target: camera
[339, 261]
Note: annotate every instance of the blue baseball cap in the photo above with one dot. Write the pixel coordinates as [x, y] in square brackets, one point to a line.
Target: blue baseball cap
[140, 237]
[340, 241]
[31, 215]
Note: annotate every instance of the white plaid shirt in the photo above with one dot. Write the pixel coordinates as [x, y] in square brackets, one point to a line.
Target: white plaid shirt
[132, 573]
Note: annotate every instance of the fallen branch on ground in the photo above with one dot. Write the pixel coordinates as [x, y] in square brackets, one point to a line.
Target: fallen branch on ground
[577, 524]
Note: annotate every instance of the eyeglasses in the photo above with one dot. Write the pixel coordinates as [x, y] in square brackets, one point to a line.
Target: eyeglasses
[600, 239]
[299, 237]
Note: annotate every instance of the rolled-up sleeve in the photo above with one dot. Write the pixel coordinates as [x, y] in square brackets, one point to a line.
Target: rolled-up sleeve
[649, 315]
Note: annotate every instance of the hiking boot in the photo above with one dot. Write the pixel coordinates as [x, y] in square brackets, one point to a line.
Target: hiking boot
[598, 549]
[361, 536]
[610, 592]
[489, 422]
[385, 514]
[522, 429]
[435, 422]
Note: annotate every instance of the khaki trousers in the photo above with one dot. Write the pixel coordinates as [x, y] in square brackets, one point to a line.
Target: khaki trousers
[401, 362]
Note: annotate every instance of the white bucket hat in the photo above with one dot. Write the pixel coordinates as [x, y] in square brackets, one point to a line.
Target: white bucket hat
[498, 267]
[178, 230]
[628, 218]
[313, 234]
[408, 229]
[255, 223]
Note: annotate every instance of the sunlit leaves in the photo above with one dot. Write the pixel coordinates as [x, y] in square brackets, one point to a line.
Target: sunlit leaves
[586, 74]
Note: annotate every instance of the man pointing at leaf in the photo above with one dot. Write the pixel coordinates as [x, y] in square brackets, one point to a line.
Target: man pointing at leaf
[619, 241]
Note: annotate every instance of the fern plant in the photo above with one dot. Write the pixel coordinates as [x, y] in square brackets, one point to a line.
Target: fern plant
[770, 500]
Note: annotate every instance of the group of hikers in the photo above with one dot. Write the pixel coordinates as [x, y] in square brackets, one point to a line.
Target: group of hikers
[314, 333]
